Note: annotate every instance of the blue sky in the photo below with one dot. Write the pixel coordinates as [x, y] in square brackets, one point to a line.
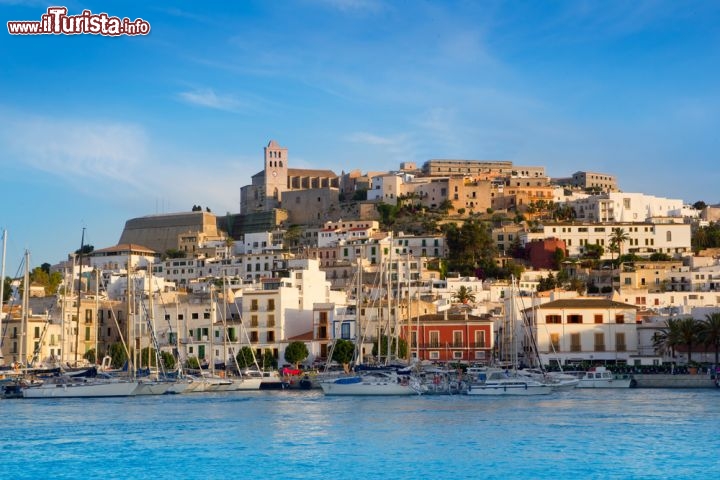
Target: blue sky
[96, 130]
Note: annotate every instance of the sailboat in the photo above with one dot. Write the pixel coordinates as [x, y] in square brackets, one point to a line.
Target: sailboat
[377, 380]
[499, 381]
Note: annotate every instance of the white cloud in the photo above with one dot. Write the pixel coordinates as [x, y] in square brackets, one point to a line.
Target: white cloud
[116, 161]
[354, 5]
[207, 97]
[73, 149]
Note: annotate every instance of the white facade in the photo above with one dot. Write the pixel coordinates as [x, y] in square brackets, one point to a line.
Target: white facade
[582, 329]
[625, 207]
[645, 238]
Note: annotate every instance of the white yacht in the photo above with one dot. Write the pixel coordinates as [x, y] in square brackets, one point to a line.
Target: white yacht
[504, 382]
[68, 387]
[379, 382]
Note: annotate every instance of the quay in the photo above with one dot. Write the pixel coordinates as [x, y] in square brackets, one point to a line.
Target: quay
[659, 380]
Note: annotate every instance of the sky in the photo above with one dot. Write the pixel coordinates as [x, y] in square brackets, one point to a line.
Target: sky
[95, 130]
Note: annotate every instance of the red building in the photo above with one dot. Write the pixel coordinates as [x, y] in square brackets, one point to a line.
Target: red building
[541, 253]
[451, 338]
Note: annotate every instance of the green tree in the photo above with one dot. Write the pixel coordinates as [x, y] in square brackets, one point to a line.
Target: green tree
[558, 258]
[86, 249]
[618, 238]
[593, 251]
[292, 237]
[174, 253]
[6, 289]
[168, 360]
[387, 213]
[699, 205]
[268, 360]
[689, 334]
[118, 355]
[343, 352]
[245, 357]
[710, 333]
[192, 363]
[402, 347]
[464, 295]
[296, 352]
[472, 250]
[148, 357]
[90, 356]
[660, 257]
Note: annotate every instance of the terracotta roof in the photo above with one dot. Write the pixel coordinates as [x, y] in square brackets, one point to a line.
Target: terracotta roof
[589, 303]
[302, 336]
[124, 246]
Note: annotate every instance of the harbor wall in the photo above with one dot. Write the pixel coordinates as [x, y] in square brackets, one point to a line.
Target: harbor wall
[656, 380]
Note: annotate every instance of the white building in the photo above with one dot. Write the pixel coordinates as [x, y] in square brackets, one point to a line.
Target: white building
[584, 330]
[644, 238]
[622, 207]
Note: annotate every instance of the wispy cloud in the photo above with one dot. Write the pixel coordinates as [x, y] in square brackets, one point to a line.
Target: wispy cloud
[369, 6]
[111, 159]
[206, 97]
[75, 150]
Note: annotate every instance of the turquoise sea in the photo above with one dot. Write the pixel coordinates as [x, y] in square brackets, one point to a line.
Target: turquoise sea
[634, 434]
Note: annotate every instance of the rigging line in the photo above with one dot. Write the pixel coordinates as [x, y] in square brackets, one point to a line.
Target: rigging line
[11, 304]
[114, 317]
[153, 337]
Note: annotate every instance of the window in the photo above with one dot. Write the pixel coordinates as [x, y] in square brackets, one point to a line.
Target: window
[271, 336]
[88, 315]
[254, 305]
[555, 342]
[206, 315]
[195, 316]
[271, 321]
[345, 333]
[574, 318]
[600, 342]
[435, 355]
[480, 339]
[620, 342]
[457, 338]
[37, 332]
[434, 339]
[457, 355]
[553, 319]
[619, 318]
[87, 334]
[575, 342]
[271, 304]
[598, 318]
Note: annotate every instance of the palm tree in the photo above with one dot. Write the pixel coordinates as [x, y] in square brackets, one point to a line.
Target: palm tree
[618, 237]
[464, 295]
[689, 330]
[665, 340]
[710, 333]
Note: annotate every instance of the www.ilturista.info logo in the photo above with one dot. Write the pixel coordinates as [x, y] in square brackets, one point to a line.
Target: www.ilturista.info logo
[57, 22]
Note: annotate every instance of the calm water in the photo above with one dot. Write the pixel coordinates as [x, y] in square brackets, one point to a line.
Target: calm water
[636, 433]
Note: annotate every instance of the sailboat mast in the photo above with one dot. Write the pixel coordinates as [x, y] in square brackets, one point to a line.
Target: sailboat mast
[77, 315]
[2, 282]
[25, 306]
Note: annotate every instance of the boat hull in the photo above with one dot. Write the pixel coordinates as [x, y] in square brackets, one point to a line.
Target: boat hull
[81, 390]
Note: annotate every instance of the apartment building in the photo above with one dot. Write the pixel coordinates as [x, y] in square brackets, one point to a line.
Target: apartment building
[644, 238]
[583, 330]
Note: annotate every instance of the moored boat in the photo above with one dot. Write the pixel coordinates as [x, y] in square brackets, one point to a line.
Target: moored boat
[601, 377]
[373, 383]
[499, 382]
[66, 387]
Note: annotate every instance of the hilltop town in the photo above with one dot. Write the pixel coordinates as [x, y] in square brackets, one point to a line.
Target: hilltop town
[464, 260]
